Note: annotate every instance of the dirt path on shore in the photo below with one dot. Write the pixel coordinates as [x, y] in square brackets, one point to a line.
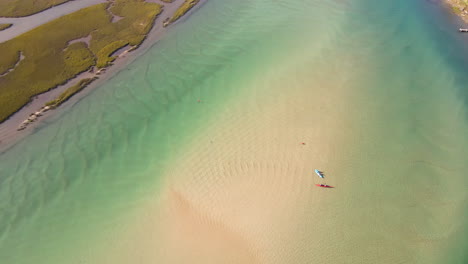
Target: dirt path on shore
[25, 24]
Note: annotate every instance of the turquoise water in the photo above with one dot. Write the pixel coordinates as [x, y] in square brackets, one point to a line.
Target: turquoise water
[65, 189]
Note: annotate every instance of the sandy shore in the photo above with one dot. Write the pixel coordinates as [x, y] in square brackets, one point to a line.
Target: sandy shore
[8, 129]
[459, 7]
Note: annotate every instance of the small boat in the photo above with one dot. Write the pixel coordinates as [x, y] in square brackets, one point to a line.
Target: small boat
[324, 186]
[319, 173]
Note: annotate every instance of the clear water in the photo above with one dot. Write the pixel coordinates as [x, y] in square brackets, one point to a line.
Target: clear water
[67, 187]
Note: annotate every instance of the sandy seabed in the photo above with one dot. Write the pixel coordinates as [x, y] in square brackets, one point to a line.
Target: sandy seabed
[244, 192]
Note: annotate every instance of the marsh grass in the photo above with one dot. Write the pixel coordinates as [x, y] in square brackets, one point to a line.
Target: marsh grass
[49, 59]
[67, 94]
[138, 18]
[47, 63]
[78, 56]
[5, 26]
[456, 10]
[458, 6]
[8, 61]
[184, 8]
[20, 8]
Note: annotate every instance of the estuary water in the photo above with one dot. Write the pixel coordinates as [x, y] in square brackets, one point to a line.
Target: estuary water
[203, 149]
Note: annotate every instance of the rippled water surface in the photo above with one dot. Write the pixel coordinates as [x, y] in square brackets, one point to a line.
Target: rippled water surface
[390, 70]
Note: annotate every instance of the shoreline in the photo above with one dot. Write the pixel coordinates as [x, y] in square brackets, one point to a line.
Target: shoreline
[458, 8]
[9, 134]
[140, 171]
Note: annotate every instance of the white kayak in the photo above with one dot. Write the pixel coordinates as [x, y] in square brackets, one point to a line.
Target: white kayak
[319, 173]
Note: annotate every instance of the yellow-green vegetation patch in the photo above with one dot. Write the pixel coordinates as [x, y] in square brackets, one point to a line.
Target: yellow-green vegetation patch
[20, 8]
[168, 1]
[49, 60]
[456, 10]
[44, 65]
[5, 26]
[67, 94]
[77, 55]
[184, 8]
[138, 18]
[8, 61]
[105, 52]
[458, 6]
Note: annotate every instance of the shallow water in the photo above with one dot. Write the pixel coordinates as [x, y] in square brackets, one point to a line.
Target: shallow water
[386, 74]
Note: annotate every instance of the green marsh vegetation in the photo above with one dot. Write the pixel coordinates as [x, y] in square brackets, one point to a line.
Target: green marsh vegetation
[48, 58]
[184, 8]
[458, 6]
[5, 26]
[70, 92]
[456, 10]
[138, 18]
[20, 8]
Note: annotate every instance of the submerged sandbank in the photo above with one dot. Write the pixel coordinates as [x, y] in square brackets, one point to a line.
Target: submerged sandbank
[243, 191]
[218, 112]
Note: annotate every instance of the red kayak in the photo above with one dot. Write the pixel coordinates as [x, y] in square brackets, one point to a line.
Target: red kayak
[324, 186]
